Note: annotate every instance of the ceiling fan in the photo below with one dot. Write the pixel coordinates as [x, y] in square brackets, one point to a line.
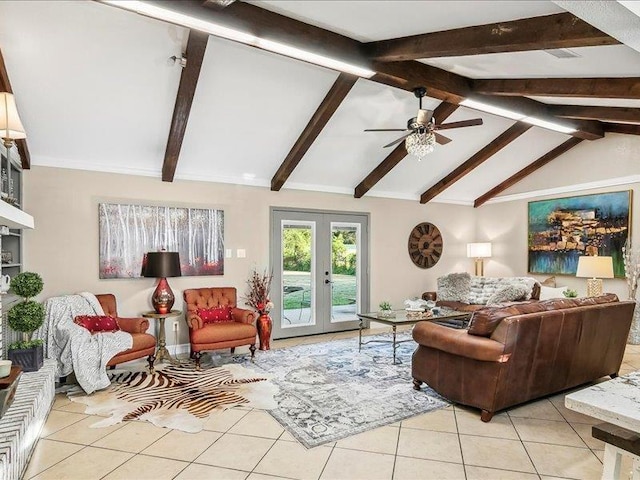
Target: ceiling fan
[422, 134]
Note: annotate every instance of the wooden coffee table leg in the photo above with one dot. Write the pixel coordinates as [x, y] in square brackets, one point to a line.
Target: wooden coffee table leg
[360, 336]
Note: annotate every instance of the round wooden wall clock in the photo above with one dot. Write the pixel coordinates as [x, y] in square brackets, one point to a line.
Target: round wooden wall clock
[425, 245]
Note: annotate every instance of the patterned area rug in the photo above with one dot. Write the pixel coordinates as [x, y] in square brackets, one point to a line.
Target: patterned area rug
[178, 396]
[329, 391]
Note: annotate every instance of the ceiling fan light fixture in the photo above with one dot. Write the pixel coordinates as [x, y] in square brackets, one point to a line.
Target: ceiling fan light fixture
[161, 13]
[420, 144]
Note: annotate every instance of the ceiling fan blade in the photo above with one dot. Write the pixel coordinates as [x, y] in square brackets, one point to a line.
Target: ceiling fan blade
[424, 116]
[398, 140]
[441, 139]
[463, 123]
[386, 130]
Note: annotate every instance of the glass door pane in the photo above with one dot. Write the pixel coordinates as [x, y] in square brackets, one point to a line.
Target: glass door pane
[345, 271]
[298, 273]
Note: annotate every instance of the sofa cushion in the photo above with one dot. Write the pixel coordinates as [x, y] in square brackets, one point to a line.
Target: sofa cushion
[508, 293]
[549, 282]
[215, 314]
[485, 321]
[97, 323]
[222, 332]
[454, 287]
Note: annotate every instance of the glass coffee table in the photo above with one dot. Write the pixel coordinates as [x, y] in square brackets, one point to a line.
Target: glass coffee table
[447, 317]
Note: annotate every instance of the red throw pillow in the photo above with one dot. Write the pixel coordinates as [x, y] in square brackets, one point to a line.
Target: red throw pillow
[97, 323]
[215, 315]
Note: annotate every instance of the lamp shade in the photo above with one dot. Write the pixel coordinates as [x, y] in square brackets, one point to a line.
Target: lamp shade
[595, 267]
[10, 124]
[161, 265]
[479, 250]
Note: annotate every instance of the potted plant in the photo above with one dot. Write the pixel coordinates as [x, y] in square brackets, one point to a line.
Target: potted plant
[259, 286]
[26, 317]
[385, 310]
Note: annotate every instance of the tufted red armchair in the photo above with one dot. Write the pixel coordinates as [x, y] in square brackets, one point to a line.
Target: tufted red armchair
[144, 344]
[215, 336]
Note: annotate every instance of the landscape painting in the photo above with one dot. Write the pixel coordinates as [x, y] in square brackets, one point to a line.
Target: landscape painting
[127, 232]
[563, 229]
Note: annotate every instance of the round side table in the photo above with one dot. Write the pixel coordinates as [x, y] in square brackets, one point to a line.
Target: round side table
[162, 353]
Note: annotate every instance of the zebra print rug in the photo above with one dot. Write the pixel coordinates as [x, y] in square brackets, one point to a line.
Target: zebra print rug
[178, 396]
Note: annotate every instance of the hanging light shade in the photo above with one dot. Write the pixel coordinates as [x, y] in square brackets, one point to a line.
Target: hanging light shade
[420, 144]
[10, 125]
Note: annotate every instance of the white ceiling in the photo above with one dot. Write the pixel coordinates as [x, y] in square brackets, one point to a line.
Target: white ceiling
[96, 91]
[378, 20]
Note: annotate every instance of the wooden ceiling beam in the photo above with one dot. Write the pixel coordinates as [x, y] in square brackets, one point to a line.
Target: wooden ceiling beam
[196, 47]
[622, 128]
[441, 113]
[476, 160]
[562, 30]
[21, 144]
[528, 170]
[561, 87]
[605, 114]
[440, 84]
[267, 25]
[320, 118]
[217, 4]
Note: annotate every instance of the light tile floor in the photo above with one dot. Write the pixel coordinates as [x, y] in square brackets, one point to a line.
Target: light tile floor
[540, 440]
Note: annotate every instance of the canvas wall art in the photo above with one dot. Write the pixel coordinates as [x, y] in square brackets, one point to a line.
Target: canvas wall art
[563, 229]
[127, 232]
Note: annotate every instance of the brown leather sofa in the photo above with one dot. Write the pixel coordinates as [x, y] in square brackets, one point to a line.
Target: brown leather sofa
[527, 350]
[215, 336]
[144, 344]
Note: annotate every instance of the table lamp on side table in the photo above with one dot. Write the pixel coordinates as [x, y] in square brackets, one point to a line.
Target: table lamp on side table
[595, 269]
[162, 265]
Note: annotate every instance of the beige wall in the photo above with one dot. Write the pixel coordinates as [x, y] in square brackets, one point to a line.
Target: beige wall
[64, 245]
[505, 224]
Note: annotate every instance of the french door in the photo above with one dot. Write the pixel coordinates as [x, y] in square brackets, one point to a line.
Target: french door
[320, 270]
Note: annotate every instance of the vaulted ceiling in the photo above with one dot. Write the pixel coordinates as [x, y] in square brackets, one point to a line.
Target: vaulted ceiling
[97, 90]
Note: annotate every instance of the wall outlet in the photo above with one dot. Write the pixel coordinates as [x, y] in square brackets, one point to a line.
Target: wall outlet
[228, 253]
[242, 253]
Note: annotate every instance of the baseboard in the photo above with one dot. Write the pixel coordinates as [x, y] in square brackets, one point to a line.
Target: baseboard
[179, 349]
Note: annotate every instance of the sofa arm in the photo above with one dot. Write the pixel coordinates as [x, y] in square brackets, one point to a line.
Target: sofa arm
[194, 322]
[243, 315]
[433, 296]
[459, 342]
[133, 325]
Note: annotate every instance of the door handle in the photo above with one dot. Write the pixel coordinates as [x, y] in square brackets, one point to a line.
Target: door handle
[327, 281]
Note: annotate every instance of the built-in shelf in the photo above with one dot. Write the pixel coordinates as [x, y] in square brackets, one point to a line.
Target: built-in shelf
[13, 234]
[9, 265]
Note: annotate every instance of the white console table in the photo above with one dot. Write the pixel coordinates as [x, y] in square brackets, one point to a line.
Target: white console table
[617, 402]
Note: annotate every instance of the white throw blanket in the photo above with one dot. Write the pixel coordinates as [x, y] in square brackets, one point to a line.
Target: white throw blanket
[73, 346]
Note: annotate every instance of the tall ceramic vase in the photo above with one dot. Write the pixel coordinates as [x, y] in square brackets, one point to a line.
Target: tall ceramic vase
[634, 333]
[264, 324]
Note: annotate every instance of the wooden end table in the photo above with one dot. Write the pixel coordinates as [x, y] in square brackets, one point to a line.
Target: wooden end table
[162, 353]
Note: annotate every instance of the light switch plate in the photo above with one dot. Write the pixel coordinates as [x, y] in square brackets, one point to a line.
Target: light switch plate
[228, 253]
[241, 253]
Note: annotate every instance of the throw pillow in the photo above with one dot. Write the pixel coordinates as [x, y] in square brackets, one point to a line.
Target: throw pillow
[454, 287]
[508, 293]
[549, 282]
[547, 293]
[97, 323]
[215, 315]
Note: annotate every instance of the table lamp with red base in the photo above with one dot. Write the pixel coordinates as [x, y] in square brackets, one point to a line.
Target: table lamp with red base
[162, 265]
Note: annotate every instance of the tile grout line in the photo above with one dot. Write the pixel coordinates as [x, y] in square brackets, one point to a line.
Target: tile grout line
[395, 455]
[455, 419]
[328, 458]
[53, 465]
[524, 446]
